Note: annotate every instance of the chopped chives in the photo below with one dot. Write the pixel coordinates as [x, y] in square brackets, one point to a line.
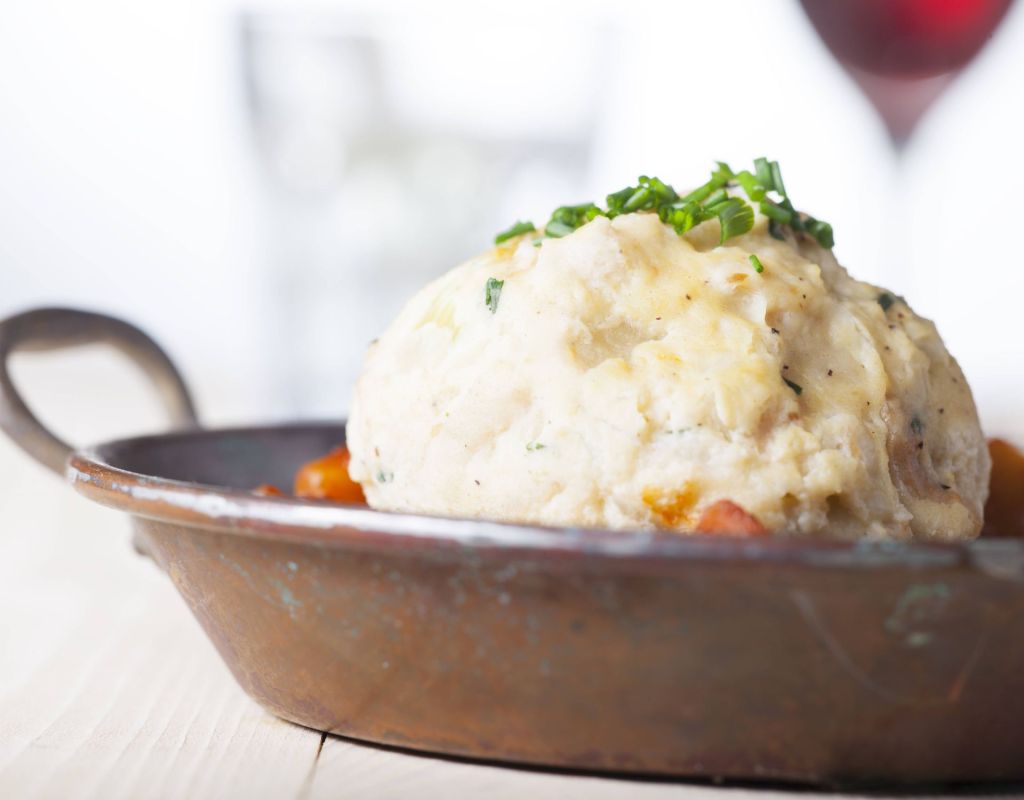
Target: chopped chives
[616, 200]
[518, 229]
[776, 212]
[754, 190]
[756, 262]
[638, 200]
[492, 293]
[717, 196]
[777, 183]
[764, 172]
[821, 231]
[558, 229]
[736, 218]
[709, 201]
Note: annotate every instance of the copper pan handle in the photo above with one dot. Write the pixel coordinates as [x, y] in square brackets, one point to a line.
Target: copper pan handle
[59, 328]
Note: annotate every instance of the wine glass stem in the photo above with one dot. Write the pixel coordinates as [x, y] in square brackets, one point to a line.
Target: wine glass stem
[897, 254]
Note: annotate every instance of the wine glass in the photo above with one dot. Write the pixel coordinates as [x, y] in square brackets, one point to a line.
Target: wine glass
[904, 53]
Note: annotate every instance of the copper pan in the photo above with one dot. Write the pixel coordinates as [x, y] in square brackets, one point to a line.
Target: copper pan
[797, 660]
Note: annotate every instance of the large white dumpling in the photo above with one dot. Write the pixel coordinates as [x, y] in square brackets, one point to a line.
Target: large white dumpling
[628, 377]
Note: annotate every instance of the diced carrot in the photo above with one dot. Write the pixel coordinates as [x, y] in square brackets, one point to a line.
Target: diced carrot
[727, 518]
[327, 478]
[670, 510]
[1004, 511]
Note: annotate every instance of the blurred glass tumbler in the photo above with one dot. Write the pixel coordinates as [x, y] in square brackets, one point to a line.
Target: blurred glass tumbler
[391, 150]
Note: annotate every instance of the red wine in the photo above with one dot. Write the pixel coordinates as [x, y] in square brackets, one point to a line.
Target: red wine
[904, 52]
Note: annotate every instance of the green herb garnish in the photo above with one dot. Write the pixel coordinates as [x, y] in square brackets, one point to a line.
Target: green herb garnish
[516, 230]
[885, 300]
[916, 426]
[735, 216]
[713, 200]
[796, 387]
[534, 446]
[492, 293]
[822, 231]
[756, 263]
[566, 219]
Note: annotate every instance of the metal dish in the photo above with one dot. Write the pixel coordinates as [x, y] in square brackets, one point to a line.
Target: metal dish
[809, 661]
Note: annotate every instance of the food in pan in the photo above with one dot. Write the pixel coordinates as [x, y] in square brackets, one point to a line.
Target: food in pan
[324, 478]
[675, 362]
[328, 478]
[1004, 511]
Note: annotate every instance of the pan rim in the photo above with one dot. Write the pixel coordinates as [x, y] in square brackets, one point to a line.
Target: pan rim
[91, 473]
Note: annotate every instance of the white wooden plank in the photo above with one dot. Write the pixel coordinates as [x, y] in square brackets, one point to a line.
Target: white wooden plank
[108, 687]
[348, 769]
[379, 774]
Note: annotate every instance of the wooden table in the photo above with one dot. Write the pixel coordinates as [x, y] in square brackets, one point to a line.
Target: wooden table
[108, 687]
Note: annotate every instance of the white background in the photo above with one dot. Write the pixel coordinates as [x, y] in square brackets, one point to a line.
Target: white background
[128, 176]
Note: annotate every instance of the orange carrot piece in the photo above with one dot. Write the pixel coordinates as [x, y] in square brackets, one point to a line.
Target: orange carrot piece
[1004, 511]
[727, 518]
[327, 478]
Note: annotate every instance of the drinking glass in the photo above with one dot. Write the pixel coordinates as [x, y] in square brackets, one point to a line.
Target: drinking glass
[391, 149]
[903, 54]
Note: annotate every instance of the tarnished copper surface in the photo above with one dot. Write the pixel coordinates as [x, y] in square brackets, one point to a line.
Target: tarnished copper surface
[703, 656]
[44, 329]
